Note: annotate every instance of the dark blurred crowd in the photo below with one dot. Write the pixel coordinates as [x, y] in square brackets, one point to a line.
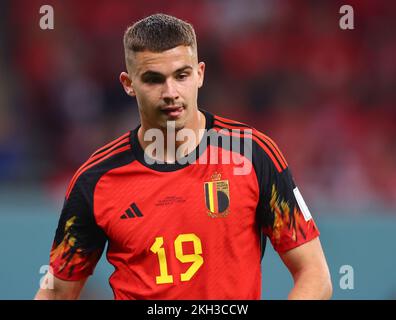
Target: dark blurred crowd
[327, 96]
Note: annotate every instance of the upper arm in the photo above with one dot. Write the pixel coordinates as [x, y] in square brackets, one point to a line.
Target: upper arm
[281, 212]
[307, 265]
[79, 241]
[58, 289]
[285, 219]
[307, 257]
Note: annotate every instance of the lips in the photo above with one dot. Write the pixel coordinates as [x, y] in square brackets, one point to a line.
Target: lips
[171, 111]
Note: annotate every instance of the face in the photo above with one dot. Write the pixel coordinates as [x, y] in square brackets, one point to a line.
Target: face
[165, 85]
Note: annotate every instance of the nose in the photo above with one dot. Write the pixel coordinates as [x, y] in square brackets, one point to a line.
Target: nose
[169, 91]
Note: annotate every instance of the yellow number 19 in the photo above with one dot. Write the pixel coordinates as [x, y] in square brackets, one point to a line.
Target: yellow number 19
[195, 258]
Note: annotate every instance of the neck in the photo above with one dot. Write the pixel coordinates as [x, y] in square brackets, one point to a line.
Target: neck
[175, 144]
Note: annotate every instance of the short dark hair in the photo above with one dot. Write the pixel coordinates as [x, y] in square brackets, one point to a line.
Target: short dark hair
[159, 32]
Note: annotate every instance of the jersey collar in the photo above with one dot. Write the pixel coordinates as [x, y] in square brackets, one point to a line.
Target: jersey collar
[168, 167]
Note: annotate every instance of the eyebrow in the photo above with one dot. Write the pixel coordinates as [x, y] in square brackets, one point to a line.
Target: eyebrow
[183, 68]
[156, 74]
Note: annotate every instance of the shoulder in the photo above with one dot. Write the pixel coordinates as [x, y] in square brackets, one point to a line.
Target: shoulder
[263, 146]
[112, 155]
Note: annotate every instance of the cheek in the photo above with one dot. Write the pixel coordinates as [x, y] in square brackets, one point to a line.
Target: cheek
[194, 91]
[190, 88]
[147, 96]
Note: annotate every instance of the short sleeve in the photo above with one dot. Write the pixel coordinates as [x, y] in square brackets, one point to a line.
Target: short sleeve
[282, 213]
[79, 241]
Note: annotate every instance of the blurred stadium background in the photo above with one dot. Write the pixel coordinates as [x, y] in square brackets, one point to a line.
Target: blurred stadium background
[327, 96]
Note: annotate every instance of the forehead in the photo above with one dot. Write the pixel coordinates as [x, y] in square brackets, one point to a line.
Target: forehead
[164, 62]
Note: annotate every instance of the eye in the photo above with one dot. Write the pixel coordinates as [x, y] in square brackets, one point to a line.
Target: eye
[154, 80]
[182, 76]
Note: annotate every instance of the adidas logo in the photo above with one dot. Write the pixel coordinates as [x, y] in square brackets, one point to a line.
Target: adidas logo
[132, 212]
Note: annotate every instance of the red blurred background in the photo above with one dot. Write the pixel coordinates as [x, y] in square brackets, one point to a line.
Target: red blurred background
[325, 95]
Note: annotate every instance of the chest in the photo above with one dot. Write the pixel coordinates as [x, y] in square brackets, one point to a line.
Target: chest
[135, 205]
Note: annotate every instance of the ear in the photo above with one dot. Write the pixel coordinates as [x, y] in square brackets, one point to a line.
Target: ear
[201, 73]
[127, 84]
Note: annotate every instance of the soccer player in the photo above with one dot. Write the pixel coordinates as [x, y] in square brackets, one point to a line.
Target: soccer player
[182, 225]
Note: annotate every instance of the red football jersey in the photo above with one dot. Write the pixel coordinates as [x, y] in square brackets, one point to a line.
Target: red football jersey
[187, 230]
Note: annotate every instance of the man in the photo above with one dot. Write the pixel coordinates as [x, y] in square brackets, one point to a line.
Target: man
[182, 225]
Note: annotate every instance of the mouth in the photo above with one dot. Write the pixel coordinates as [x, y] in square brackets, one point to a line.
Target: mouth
[172, 111]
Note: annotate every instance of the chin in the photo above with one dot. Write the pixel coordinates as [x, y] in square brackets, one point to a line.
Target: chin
[179, 120]
[179, 124]
[179, 127]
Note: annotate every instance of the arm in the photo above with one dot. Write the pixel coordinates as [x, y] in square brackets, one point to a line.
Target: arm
[310, 272]
[61, 290]
[77, 246]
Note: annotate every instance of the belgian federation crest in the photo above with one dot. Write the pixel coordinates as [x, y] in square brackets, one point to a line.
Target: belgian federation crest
[217, 196]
